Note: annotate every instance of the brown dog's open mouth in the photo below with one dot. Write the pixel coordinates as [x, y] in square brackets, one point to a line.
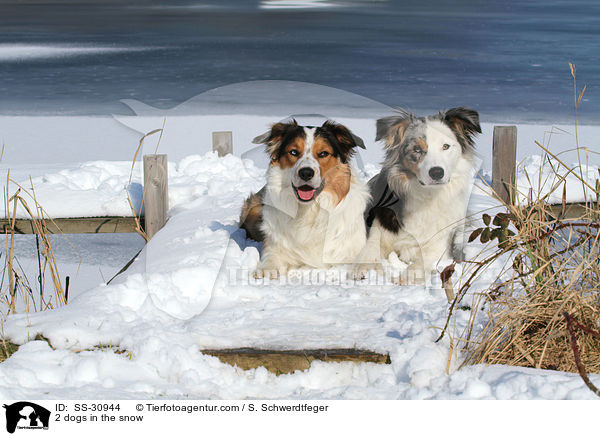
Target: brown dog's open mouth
[305, 192]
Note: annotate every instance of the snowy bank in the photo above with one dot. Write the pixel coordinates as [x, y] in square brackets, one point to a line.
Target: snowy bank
[66, 187]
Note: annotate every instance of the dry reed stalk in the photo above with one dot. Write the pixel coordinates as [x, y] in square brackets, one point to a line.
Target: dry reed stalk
[10, 250]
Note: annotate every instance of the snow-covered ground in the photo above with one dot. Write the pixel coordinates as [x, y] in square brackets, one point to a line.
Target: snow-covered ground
[190, 287]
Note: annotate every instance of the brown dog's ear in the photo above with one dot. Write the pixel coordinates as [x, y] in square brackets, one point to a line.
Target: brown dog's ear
[392, 128]
[342, 139]
[464, 122]
[274, 137]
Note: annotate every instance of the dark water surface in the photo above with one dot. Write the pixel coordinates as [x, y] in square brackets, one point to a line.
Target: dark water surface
[507, 59]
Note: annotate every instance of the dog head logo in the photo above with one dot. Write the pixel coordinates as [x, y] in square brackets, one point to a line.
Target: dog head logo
[27, 416]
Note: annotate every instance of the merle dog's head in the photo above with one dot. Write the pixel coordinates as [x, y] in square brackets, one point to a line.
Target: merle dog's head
[428, 148]
[308, 153]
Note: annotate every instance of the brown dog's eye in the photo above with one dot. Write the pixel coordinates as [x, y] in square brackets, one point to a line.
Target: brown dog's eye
[294, 152]
[323, 154]
[446, 147]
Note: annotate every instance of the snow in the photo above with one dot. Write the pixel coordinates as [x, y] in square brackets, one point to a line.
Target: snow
[28, 52]
[548, 177]
[191, 287]
[286, 4]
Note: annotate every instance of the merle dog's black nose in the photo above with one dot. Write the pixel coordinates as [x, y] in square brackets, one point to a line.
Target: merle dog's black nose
[436, 173]
[306, 173]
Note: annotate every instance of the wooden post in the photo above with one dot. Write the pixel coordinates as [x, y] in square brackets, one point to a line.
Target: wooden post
[222, 143]
[156, 200]
[504, 162]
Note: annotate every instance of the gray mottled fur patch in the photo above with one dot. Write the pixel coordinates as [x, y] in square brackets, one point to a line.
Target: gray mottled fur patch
[415, 130]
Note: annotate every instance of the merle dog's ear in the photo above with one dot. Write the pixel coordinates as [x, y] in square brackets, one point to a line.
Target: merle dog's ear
[358, 141]
[274, 137]
[464, 122]
[345, 140]
[392, 128]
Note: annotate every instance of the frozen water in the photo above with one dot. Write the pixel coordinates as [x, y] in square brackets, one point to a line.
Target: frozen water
[508, 59]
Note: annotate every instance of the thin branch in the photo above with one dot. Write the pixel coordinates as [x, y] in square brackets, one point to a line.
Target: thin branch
[571, 324]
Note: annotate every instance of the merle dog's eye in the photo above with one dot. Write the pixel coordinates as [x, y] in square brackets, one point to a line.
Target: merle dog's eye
[446, 147]
[417, 149]
[323, 154]
[294, 152]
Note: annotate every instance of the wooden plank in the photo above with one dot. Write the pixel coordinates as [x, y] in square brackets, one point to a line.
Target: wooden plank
[222, 143]
[104, 224]
[114, 224]
[156, 193]
[504, 162]
[288, 361]
[572, 212]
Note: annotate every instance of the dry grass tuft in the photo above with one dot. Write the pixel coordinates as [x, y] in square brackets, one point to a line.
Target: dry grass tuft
[543, 309]
[554, 268]
[15, 284]
[7, 349]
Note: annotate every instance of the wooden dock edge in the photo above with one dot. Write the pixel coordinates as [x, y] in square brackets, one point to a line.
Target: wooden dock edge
[289, 361]
[105, 224]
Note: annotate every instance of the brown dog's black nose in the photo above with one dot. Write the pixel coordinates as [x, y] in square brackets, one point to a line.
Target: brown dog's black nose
[306, 173]
[436, 173]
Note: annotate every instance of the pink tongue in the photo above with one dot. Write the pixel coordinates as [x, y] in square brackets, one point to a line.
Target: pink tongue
[306, 195]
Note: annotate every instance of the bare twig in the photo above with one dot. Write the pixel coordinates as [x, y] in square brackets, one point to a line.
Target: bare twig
[571, 324]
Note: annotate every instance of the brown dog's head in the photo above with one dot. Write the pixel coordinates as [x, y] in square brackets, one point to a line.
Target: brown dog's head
[309, 153]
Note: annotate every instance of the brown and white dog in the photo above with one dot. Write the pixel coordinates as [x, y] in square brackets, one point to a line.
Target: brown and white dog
[311, 211]
[419, 198]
